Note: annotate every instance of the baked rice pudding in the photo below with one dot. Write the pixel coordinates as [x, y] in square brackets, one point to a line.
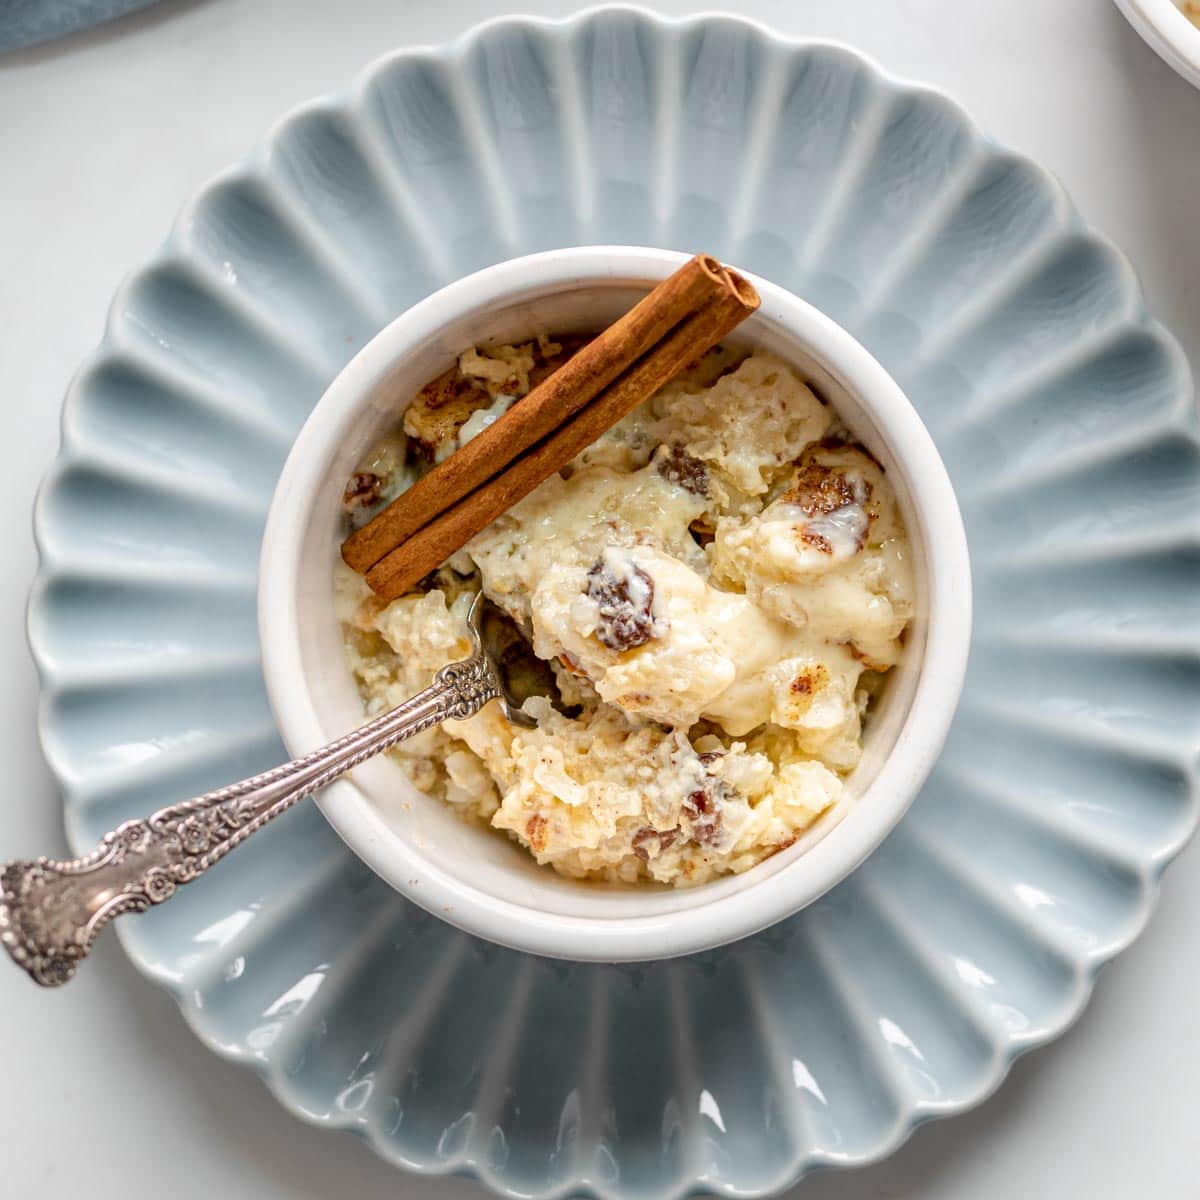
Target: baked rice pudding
[714, 589]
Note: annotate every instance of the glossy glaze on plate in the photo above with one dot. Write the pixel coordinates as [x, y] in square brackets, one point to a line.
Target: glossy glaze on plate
[1064, 416]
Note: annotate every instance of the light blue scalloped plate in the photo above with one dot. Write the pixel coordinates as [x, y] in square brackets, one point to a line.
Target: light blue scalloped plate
[1063, 413]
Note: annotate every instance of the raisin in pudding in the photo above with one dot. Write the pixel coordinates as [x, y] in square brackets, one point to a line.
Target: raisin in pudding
[717, 586]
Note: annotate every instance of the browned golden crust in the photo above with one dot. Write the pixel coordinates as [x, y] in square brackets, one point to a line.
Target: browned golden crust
[856, 653]
[789, 841]
[810, 681]
[535, 831]
[819, 490]
[444, 404]
[441, 407]
[816, 541]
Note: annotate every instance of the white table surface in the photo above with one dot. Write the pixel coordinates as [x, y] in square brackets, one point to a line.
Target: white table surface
[103, 1091]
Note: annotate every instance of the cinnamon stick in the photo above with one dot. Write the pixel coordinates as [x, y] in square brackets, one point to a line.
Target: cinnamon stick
[698, 282]
[426, 549]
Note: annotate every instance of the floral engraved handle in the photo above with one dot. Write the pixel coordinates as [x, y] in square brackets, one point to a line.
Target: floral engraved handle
[51, 912]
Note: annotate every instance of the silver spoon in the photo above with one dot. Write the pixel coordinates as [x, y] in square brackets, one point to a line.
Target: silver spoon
[51, 912]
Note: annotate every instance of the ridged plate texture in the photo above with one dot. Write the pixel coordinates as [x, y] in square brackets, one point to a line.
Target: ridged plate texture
[1064, 414]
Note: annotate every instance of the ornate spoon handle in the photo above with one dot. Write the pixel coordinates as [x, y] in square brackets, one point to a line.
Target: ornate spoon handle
[51, 912]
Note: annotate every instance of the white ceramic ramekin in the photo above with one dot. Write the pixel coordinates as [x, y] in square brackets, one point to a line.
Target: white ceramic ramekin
[478, 879]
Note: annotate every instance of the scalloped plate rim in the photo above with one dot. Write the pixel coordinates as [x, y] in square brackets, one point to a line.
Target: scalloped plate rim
[1182, 420]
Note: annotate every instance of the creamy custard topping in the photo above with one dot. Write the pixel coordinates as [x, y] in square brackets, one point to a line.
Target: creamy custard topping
[717, 586]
